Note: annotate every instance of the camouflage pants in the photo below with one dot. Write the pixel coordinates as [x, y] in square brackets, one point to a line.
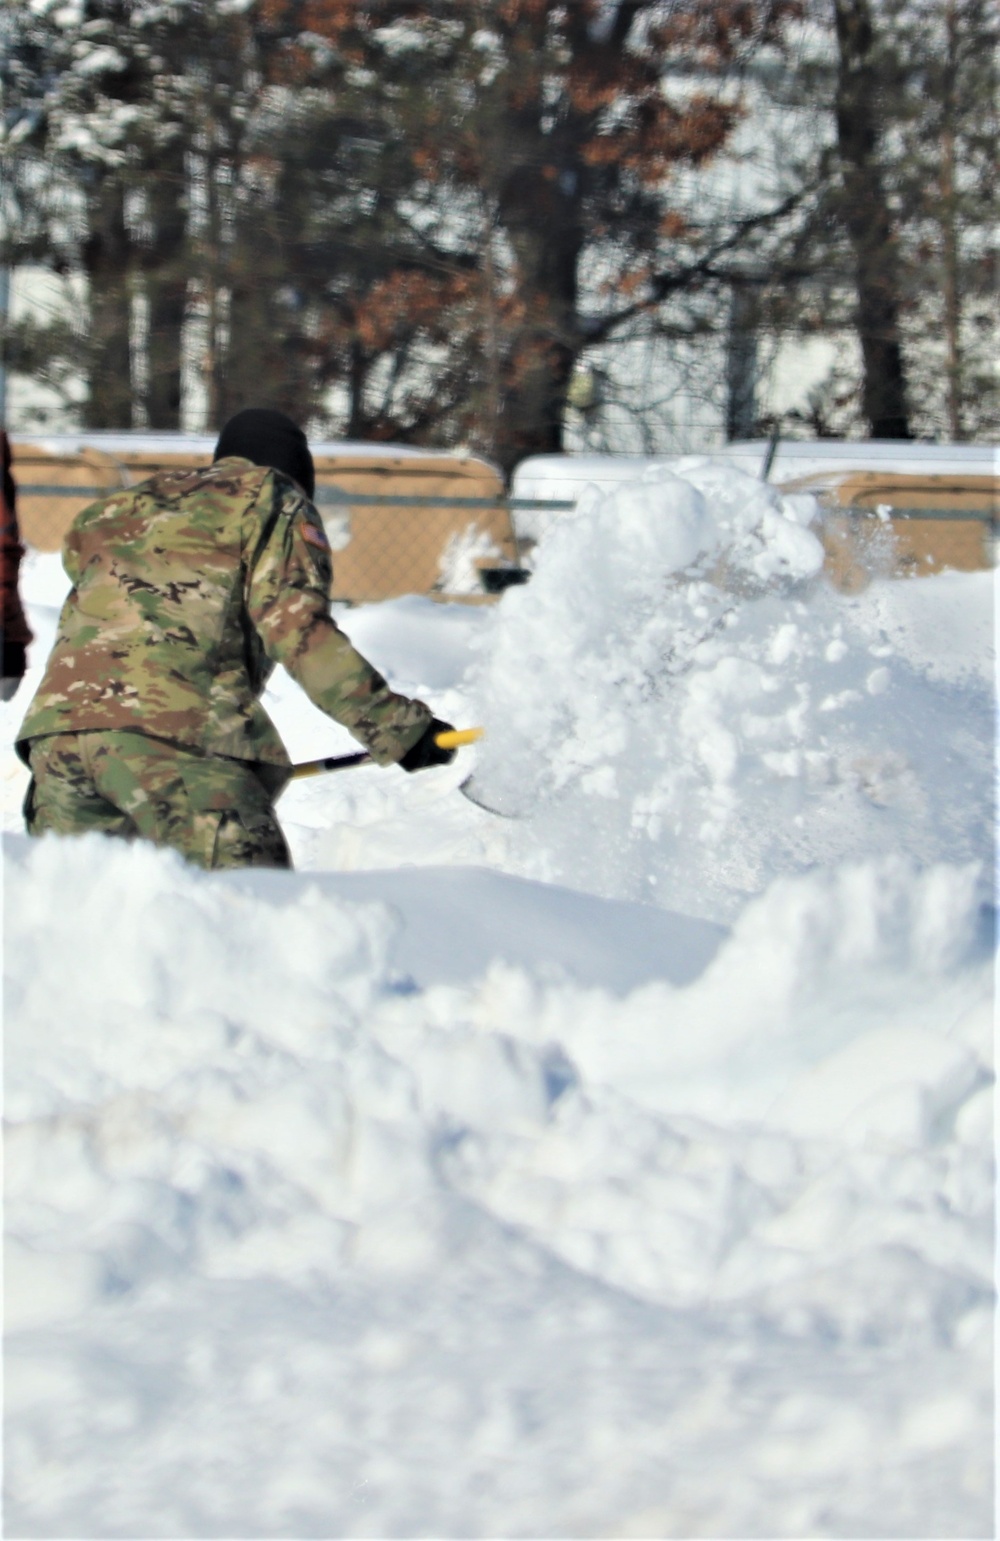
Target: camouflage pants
[215, 811]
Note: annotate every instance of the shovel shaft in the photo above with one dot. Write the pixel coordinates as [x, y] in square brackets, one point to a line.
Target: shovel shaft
[329, 763]
[455, 738]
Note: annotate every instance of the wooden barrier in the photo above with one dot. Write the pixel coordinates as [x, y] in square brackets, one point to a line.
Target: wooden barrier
[875, 524]
[414, 523]
[398, 524]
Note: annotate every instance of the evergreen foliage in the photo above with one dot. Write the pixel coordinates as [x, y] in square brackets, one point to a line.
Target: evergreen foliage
[448, 221]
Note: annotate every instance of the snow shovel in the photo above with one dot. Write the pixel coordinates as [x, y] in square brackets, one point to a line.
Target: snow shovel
[453, 739]
[505, 805]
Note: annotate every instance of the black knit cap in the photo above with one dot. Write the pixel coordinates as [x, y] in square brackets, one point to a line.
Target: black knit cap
[269, 439]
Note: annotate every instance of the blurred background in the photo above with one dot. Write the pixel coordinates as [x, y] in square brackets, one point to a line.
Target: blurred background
[510, 227]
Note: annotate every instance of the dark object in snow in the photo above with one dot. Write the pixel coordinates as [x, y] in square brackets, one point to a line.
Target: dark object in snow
[496, 579]
[13, 622]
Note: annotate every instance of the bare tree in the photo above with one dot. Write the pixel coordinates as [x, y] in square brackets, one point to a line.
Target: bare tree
[867, 218]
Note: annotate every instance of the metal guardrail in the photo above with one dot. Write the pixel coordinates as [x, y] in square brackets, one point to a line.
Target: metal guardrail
[338, 496]
[328, 497]
[892, 511]
[43, 490]
[392, 543]
[398, 545]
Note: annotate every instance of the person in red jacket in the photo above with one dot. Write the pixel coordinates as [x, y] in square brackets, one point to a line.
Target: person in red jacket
[14, 629]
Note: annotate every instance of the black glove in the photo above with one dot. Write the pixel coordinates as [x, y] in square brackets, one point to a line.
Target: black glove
[13, 668]
[425, 752]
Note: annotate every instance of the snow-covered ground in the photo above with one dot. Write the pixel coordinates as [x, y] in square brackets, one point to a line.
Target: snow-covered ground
[624, 1168]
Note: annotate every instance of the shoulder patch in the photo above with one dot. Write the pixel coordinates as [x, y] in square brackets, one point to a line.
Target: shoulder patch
[314, 536]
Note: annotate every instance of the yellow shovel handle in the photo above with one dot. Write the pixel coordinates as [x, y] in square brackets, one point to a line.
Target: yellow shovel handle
[453, 739]
[456, 737]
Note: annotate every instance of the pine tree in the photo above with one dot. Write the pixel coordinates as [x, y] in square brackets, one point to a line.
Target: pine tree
[94, 157]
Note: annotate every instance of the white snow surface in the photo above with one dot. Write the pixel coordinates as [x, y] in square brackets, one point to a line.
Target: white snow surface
[623, 1168]
[565, 476]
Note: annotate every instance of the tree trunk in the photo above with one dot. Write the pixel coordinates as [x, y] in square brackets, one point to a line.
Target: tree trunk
[486, 435]
[166, 290]
[106, 261]
[252, 373]
[869, 225]
[541, 222]
[267, 362]
[357, 377]
[741, 364]
[949, 232]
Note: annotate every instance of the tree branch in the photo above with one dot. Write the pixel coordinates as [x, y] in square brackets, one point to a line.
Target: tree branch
[665, 284]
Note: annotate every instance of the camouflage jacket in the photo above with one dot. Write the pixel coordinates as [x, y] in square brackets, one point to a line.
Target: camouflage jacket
[187, 589]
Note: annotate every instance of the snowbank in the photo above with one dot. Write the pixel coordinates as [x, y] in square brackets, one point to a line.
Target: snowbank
[415, 1193]
[296, 1247]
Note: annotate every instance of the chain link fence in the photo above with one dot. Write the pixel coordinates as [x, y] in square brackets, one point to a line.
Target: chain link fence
[441, 525]
[410, 523]
[906, 526]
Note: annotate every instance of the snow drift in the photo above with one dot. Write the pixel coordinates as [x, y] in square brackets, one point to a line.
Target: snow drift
[416, 1193]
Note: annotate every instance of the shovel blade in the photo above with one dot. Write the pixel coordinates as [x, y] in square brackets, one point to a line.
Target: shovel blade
[504, 804]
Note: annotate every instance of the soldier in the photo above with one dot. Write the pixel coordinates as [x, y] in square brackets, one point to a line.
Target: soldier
[187, 589]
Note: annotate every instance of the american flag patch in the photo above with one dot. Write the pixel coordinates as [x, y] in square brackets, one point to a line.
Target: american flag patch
[315, 537]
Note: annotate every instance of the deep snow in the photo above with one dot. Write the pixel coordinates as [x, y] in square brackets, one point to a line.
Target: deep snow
[622, 1169]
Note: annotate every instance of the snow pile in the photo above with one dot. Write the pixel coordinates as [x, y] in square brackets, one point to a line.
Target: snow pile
[408, 1194]
[677, 680]
[296, 1247]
